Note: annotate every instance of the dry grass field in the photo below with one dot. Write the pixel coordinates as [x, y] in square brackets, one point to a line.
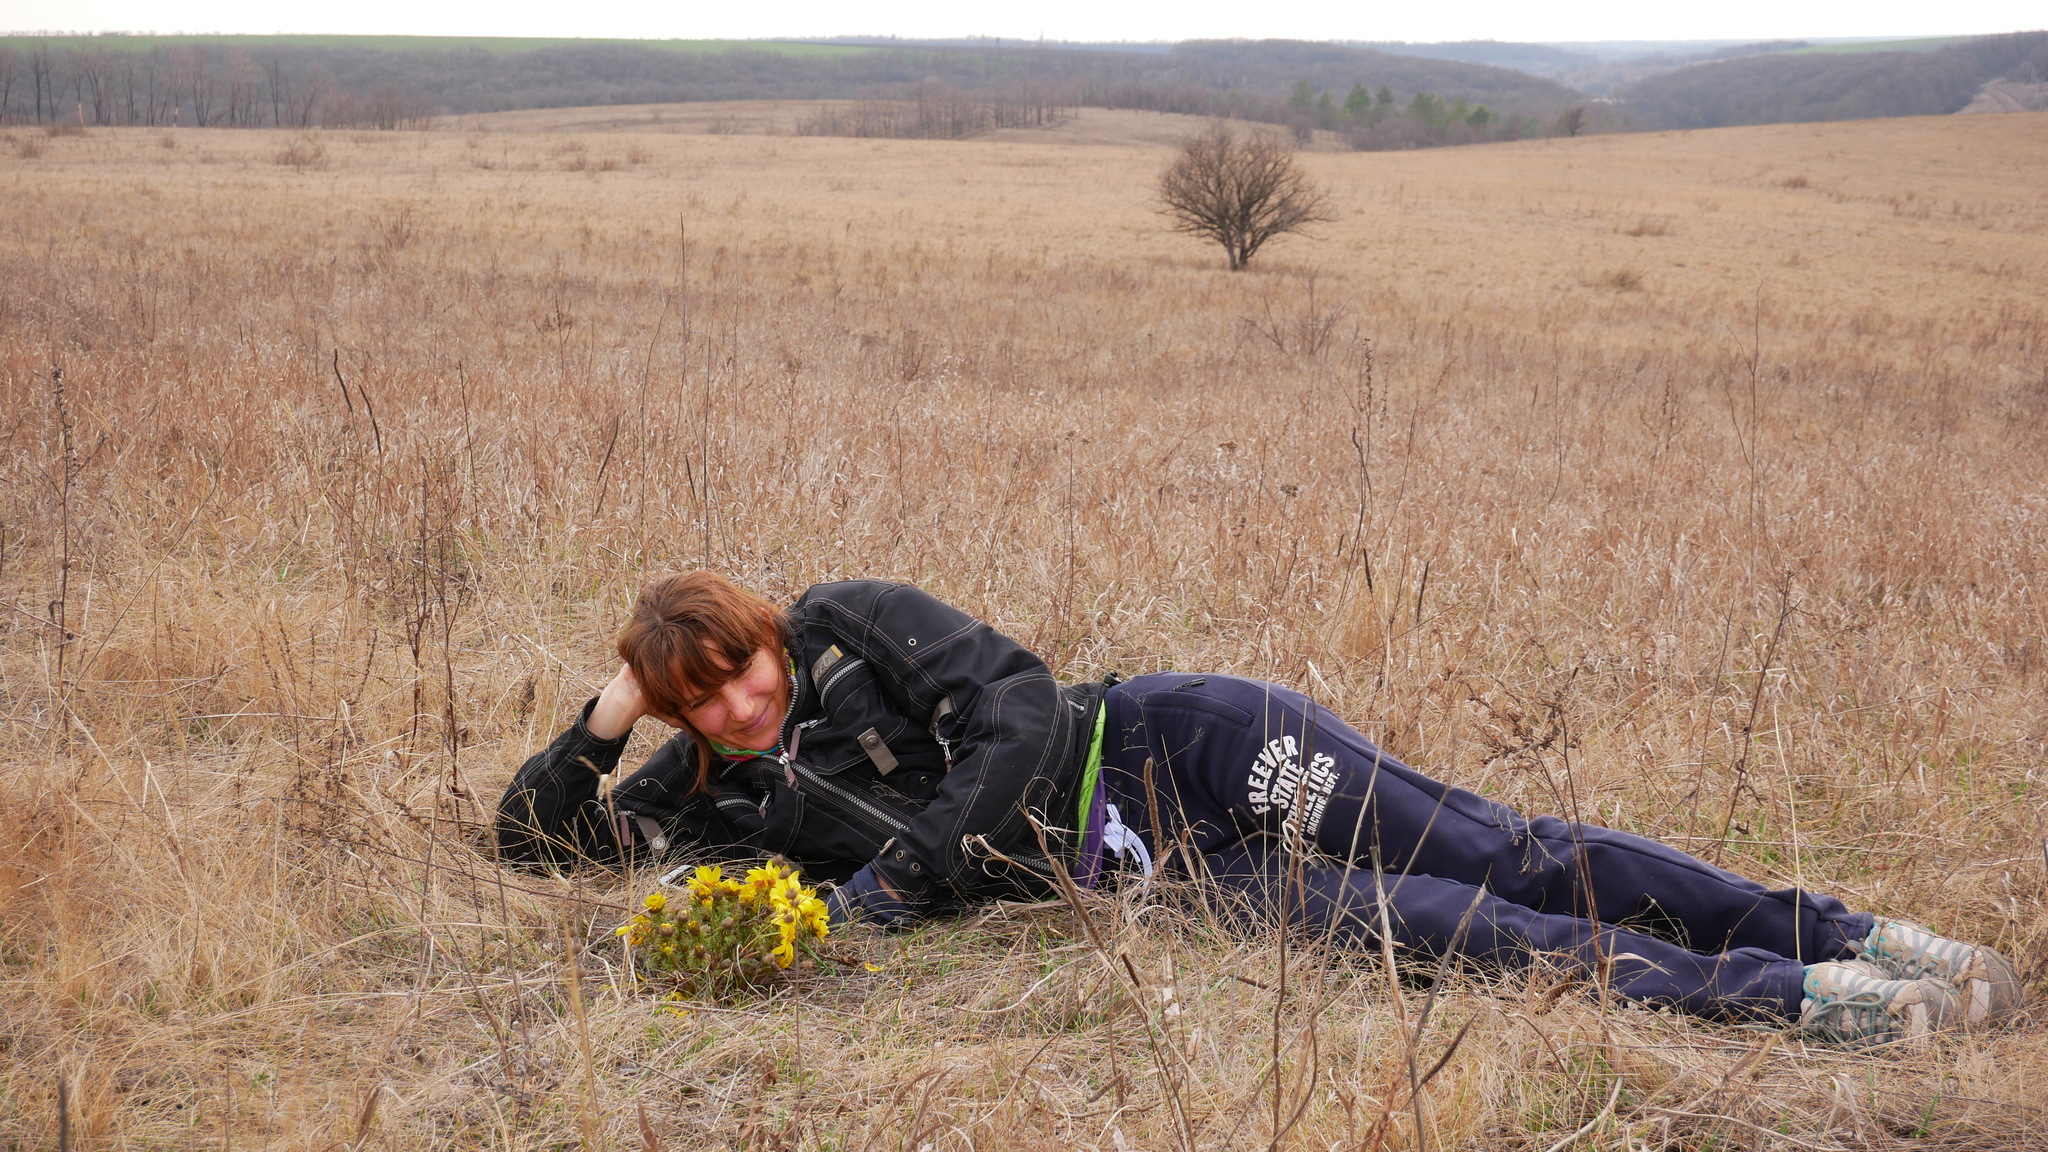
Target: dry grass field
[718, 117]
[788, 117]
[1692, 484]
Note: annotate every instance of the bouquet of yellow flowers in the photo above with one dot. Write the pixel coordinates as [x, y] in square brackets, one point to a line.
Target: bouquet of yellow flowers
[716, 936]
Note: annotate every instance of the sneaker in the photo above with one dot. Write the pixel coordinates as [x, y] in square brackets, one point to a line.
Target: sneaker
[1989, 986]
[1850, 1003]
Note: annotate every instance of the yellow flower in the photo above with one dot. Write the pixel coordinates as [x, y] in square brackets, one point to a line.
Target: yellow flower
[709, 936]
[707, 880]
[761, 883]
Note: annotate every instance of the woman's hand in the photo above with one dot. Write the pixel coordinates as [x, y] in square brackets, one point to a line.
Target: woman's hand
[620, 706]
[866, 897]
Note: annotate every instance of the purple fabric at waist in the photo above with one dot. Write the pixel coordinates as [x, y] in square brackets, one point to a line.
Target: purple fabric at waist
[1121, 766]
[1088, 868]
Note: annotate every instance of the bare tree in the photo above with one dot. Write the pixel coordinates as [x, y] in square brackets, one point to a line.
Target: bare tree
[93, 83]
[42, 77]
[1239, 190]
[10, 70]
[201, 90]
[280, 92]
[303, 103]
[243, 77]
[128, 82]
[159, 94]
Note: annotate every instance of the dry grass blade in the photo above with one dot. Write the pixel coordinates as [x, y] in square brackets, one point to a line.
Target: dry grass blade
[1599, 1117]
[572, 979]
[649, 1142]
[63, 1114]
[1134, 995]
[366, 1117]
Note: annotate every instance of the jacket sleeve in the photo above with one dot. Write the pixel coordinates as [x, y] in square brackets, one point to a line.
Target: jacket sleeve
[552, 815]
[1008, 726]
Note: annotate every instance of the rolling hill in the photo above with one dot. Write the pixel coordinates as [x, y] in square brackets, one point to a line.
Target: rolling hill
[1788, 87]
[1373, 96]
[94, 77]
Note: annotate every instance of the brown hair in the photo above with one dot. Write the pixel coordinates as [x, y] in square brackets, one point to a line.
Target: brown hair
[691, 633]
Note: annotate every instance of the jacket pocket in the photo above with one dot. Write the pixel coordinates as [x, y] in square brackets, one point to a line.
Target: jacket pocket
[862, 726]
[783, 822]
[845, 818]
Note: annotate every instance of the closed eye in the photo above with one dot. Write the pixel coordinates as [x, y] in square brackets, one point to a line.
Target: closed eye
[693, 704]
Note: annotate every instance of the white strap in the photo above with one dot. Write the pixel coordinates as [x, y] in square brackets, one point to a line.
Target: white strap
[1123, 841]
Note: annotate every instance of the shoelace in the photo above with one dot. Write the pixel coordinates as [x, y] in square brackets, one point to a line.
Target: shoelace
[1929, 955]
[1855, 1022]
[1862, 1012]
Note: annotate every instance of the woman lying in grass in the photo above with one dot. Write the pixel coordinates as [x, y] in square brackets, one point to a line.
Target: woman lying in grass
[890, 742]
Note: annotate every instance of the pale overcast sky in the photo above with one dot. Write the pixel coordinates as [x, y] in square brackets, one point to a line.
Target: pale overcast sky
[1053, 19]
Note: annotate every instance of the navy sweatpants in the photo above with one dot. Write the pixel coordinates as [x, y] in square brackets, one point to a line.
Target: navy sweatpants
[1243, 770]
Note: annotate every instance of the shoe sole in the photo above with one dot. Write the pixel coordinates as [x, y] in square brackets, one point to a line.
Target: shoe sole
[1916, 1026]
[1994, 989]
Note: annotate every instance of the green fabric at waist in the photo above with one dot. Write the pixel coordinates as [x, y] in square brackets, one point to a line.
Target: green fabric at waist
[1091, 771]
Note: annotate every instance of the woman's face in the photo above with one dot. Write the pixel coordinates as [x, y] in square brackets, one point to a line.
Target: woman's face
[748, 710]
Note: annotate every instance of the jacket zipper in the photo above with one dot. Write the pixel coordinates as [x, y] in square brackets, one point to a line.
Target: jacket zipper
[851, 798]
[789, 714]
[793, 769]
[833, 676]
[1035, 863]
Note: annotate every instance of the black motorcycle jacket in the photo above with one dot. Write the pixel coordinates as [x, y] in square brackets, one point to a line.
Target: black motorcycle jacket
[918, 739]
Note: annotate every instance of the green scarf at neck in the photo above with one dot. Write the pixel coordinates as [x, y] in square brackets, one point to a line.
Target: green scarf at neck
[743, 753]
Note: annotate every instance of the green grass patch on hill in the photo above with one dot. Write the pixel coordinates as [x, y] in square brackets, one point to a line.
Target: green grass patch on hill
[500, 45]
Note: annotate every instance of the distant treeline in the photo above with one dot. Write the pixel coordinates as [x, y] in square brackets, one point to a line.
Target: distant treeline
[130, 80]
[936, 112]
[198, 85]
[1367, 119]
[1797, 87]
